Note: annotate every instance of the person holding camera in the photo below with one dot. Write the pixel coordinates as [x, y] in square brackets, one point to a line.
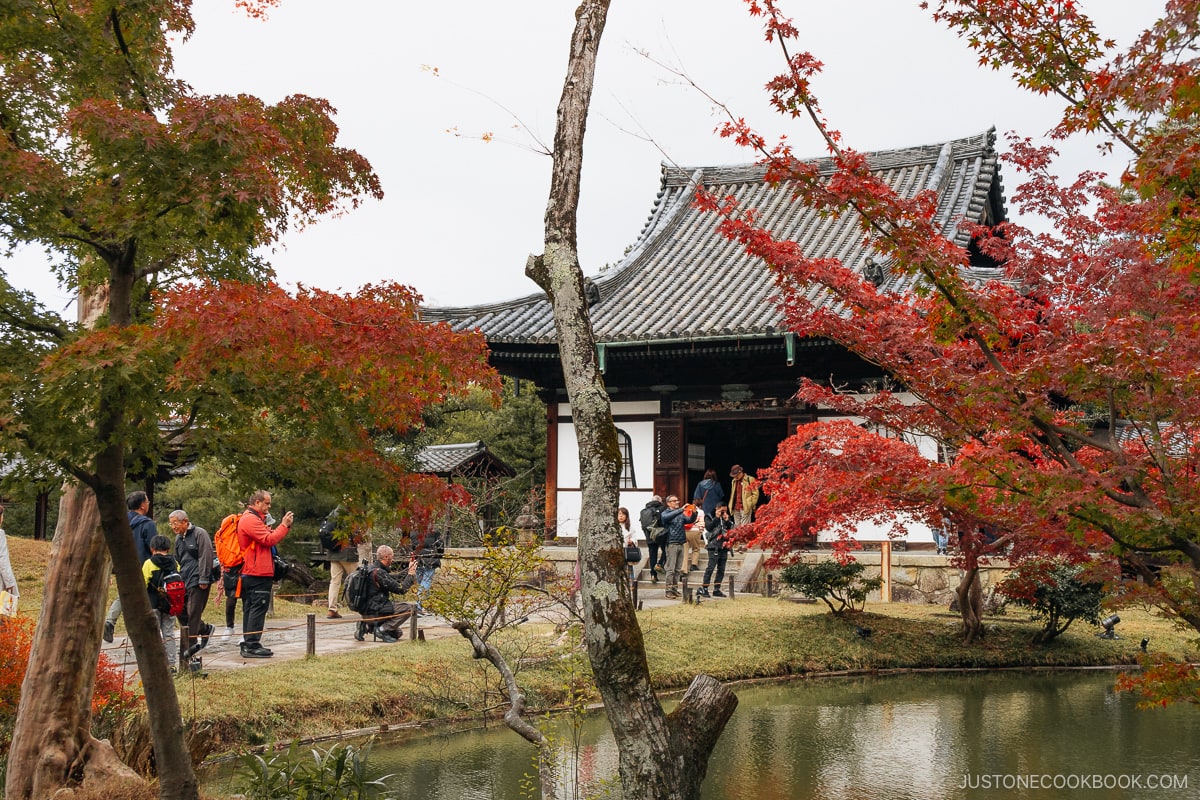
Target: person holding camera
[718, 526]
[674, 519]
[258, 570]
[386, 615]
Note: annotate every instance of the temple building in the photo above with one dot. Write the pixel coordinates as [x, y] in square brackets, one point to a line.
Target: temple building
[696, 355]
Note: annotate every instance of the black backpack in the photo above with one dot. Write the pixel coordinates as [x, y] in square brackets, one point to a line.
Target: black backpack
[359, 588]
[325, 533]
[650, 518]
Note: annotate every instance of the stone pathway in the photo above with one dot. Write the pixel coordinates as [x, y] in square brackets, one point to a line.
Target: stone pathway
[287, 637]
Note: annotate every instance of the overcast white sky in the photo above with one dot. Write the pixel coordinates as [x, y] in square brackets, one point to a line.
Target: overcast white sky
[461, 215]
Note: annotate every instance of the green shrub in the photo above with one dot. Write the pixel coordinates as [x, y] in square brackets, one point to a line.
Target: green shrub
[832, 581]
[339, 773]
[1057, 592]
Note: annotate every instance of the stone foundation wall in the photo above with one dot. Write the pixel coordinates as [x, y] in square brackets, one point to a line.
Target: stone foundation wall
[919, 577]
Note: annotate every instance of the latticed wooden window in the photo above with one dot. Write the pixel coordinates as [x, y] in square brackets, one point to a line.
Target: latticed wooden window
[625, 444]
[668, 446]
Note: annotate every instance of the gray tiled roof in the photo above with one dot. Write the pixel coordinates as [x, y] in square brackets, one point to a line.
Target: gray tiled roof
[445, 459]
[683, 280]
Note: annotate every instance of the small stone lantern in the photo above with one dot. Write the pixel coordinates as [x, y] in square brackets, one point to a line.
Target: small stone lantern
[526, 526]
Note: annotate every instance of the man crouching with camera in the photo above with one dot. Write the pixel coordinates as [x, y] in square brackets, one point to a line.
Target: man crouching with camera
[379, 603]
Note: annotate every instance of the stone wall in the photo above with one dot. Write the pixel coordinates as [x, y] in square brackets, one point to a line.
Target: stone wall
[919, 577]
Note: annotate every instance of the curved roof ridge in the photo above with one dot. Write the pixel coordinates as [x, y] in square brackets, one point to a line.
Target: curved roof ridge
[979, 143]
[665, 218]
[683, 280]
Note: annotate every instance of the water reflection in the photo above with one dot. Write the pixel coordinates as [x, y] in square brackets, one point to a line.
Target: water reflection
[866, 739]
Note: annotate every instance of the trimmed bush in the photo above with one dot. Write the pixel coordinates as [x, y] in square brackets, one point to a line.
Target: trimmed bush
[832, 581]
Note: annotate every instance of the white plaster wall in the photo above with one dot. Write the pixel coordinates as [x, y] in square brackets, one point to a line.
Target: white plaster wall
[871, 531]
[569, 508]
[568, 513]
[641, 436]
[568, 457]
[642, 407]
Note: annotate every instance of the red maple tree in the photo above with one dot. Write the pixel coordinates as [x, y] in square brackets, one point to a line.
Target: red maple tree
[156, 203]
[1068, 387]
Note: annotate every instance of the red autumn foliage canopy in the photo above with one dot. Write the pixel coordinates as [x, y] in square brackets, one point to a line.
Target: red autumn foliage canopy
[1068, 390]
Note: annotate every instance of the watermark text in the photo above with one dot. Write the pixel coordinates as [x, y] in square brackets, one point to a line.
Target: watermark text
[1021, 781]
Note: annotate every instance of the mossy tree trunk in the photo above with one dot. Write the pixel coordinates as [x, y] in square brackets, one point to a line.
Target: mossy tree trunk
[52, 742]
[661, 756]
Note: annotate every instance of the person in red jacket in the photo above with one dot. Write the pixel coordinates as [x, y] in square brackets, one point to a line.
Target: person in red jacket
[258, 571]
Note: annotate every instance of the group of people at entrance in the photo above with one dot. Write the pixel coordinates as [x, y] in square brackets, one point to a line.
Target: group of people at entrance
[676, 533]
[349, 550]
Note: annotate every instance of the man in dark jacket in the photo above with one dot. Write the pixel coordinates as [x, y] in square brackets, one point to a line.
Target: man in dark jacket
[718, 527]
[194, 552]
[656, 536]
[144, 530]
[673, 519]
[388, 616]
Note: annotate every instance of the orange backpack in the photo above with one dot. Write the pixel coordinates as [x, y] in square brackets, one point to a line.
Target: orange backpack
[229, 550]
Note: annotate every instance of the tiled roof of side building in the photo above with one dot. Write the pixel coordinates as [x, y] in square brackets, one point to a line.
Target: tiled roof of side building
[683, 280]
[446, 459]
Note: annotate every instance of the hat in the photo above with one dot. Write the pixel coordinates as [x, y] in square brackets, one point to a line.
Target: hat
[735, 470]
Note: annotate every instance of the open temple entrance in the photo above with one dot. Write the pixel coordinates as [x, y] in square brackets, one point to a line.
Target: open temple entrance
[718, 444]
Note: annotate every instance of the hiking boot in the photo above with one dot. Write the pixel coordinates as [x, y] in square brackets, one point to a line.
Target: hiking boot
[206, 634]
[255, 650]
[702, 592]
[333, 614]
[718, 593]
[109, 629]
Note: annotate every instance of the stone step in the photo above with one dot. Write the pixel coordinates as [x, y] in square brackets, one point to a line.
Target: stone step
[743, 566]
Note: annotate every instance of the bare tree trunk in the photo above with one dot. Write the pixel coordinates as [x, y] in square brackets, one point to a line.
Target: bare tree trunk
[52, 739]
[660, 757]
[53, 727]
[975, 546]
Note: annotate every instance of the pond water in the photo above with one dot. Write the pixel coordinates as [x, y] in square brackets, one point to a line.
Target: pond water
[976, 735]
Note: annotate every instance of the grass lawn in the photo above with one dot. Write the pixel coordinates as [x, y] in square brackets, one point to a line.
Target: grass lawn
[751, 637]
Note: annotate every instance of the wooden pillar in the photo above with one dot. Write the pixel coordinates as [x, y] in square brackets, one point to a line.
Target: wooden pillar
[551, 518]
[885, 570]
